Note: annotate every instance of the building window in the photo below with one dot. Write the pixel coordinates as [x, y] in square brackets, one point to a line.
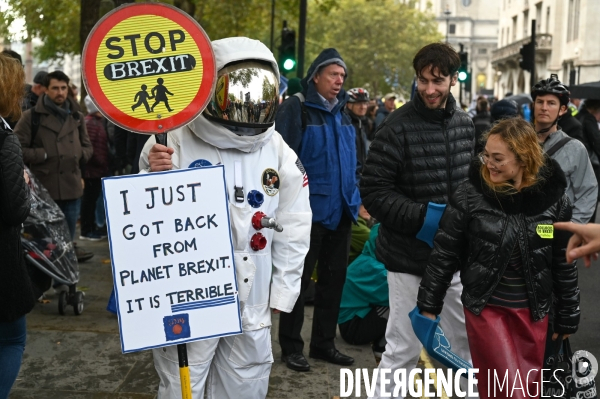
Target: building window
[482, 51]
[514, 28]
[452, 29]
[576, 20]
[538, 17]
[547, 19]
[525, 23]
[481, 79]
[570, 22]
[466, 3]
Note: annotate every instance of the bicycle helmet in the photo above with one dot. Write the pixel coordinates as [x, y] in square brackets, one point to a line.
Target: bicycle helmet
[357, 95]
[551, 86]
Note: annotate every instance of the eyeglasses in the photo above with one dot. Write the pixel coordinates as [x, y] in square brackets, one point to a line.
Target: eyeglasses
[486, 159]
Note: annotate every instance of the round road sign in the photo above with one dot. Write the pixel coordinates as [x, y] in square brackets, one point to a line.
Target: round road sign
[149, 68]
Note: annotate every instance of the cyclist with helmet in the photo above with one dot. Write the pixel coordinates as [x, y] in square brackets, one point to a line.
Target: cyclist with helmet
[268, 278]
[550, 101]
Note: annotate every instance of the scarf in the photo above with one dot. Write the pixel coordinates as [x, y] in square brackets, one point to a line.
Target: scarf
[62, 112]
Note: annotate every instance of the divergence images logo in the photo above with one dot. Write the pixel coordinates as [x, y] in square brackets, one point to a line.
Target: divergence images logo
[585, 368]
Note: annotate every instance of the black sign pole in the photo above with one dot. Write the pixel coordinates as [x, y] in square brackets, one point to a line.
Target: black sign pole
[184, 370]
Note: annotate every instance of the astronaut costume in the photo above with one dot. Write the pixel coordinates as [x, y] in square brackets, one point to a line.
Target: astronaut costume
[237, 130]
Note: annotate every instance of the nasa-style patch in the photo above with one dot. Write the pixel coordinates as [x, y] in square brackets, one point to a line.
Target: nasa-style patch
[270, 181]
[199, 163]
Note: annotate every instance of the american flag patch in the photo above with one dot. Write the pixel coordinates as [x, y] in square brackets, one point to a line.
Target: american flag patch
[303, 171]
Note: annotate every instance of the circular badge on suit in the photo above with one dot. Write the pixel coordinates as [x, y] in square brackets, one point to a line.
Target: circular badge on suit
[270, 181]
[200, 163]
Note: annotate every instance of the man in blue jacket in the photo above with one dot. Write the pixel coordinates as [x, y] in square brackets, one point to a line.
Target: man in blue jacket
[313, 125]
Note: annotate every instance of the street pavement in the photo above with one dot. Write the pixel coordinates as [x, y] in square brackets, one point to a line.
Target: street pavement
[77, 357]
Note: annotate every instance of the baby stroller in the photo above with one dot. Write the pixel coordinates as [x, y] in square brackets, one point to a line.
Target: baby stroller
[49, 252]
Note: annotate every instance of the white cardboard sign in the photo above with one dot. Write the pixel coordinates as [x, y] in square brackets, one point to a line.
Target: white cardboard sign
[172, 257]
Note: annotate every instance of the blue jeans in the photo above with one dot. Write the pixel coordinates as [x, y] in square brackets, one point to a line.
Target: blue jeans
[12, 344]
[71, 210]
[100, 214]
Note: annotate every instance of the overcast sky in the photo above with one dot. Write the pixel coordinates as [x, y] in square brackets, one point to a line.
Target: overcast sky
[17, 26]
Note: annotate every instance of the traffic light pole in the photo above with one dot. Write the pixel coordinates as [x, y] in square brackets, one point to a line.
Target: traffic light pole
[460, 83]
[301, 39]
[532, 78]
[272, 25]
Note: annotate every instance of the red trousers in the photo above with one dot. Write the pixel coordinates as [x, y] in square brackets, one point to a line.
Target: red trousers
[507, 347]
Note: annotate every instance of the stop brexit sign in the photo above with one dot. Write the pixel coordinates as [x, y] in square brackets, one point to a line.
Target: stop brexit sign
[149, 67]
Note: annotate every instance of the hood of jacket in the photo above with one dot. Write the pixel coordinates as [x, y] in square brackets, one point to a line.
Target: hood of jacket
[226, 51]
[327, 56]
[531, 200]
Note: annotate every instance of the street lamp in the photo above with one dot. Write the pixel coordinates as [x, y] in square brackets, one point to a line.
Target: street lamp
[447, 14]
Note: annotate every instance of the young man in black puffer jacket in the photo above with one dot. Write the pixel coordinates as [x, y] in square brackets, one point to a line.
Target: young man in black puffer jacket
[419, 157]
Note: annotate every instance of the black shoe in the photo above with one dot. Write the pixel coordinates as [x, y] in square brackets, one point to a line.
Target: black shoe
[331, 355]
[81, 254]
[101, 231]
[296, 362]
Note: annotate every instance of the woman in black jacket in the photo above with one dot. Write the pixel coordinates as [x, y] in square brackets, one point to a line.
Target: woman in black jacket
[16, 295]
[497, 229]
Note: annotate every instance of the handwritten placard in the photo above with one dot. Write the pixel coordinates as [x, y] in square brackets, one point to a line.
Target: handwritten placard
[172, 257]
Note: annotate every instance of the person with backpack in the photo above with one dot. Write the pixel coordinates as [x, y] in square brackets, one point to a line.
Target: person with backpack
[314, 125]
[550, 100]
[55, 145]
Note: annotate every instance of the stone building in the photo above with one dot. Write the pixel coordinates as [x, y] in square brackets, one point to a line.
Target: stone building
[567, 42]
[474, 24]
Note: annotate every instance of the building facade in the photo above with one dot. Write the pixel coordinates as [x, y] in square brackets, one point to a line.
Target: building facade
[474, 24]
[567, 42]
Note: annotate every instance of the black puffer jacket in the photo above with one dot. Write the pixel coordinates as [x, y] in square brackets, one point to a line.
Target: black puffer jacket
[418, 156]
[479, 230]
[16, 294]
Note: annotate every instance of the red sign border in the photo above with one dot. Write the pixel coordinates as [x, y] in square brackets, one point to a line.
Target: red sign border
[118, 117]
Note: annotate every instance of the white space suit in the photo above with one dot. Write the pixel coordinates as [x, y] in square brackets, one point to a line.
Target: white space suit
[268, 278]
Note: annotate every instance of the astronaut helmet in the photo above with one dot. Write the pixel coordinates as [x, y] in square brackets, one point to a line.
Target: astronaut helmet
[246, 95]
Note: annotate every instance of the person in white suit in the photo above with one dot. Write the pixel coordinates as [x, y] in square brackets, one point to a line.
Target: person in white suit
[237, 130]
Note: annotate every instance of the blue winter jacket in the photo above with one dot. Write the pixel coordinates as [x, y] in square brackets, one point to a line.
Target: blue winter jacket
[326, 147]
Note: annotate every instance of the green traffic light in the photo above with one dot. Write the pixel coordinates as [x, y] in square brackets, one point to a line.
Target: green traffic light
[462, 76]
[289, 64]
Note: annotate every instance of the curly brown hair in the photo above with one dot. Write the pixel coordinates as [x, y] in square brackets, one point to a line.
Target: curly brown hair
[522, 141]
[12, 87]
[440, 56]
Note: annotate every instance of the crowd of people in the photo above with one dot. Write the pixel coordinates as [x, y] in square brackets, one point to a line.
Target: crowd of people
[43, 128]
[386, 207]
